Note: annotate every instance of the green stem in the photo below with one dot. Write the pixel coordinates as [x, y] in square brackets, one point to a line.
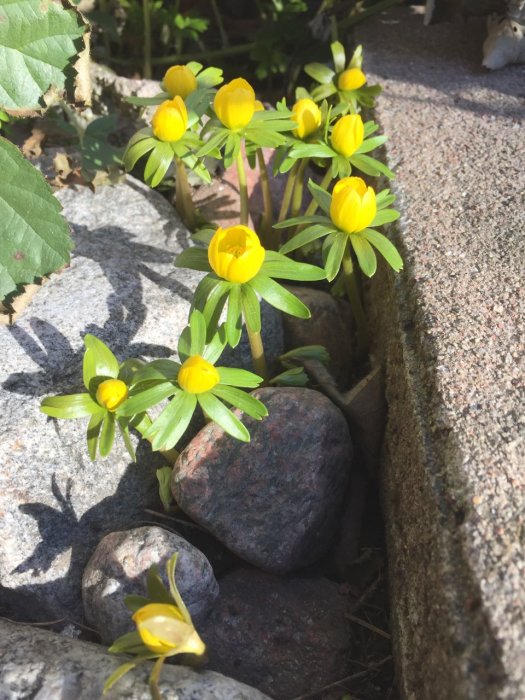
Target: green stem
[183, 199]
[354, 297]
[267, 217]
[207, 56]
[154, 679]
[297, 199]
[288, 191]
[220, 25]
[243, 188]
[147, 38]
[257, 350]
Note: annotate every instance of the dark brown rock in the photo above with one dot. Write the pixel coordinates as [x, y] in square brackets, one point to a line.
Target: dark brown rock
[284, 636]
[330, 325]
[275, 501]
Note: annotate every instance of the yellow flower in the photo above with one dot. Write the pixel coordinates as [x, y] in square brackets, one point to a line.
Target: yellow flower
[170, 121]
[179, 80]
[235, 253]
[197, 375]
[351, 79]
[259, 107]
[308, 117]
[164, 630]
[112, 393]
[234, 103]
[353, 206]
[348, 134]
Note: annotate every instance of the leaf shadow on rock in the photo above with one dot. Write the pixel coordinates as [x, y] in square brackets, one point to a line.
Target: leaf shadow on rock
[61, 529]
[124, 263]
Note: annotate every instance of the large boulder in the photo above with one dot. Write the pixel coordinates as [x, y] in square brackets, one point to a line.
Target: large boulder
[276, 501]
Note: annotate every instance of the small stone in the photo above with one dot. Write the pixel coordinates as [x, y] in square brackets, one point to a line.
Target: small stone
[276, 501]
[119, 566]
[286, 637]
[330, 325]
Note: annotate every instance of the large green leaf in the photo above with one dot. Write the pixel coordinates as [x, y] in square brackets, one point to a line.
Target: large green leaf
[34, 236]
[39, 42]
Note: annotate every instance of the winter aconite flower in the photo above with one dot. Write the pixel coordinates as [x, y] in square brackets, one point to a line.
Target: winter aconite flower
[197, 375]
[348, 134]
[308, 117]
[353, 206]
[164, 630]
[351, 79]
[236, 254]
[170, 121]
[234, 104]
[112, 393]
[179, 80]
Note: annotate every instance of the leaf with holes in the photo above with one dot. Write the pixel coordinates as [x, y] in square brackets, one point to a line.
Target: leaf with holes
[34, 236]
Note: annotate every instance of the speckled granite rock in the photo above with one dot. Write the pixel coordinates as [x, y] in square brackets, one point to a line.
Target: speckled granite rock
[451, 329]
[275, 501]
[284, 636]
[40, 664]
[121, 286]
[119, 566]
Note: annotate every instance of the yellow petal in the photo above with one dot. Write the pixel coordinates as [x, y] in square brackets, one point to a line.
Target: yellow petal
[348, 134]
[234, 104]
[163, 630]
[112, 393]
[170, 121]
[351, 79]
[236, 254]
[197, 375]
[308, 117]
[179, 80]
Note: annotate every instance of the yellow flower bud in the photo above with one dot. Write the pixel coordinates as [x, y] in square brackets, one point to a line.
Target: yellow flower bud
[170, 121]
[164, 630]
[235, 253]
[234, 103]
[112, 393]
[308, 117]
[348, 134]
[197, 375]
[259, 107]
[351, 79]
[353, 206]
[179, 80]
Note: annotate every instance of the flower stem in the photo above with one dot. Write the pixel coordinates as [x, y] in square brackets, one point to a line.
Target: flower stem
[288, 191]
[170, 456]
[243, 188]
[354, 297]
[147, 38]
[154, 679]
[297, 198]
[257, 350]
[267, 217]
[183, 200]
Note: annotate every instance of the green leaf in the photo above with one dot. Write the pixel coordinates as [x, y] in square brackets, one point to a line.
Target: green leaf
[385, 216]
[306, 352]
[233, 324]
[124, 431]
[384, 199]
[170, 571]
[385, 247]
[370, 127]
[164, 479]
[136, 602]
[323, 91]
[107, 434]
[70, 406]
[215, 304]
[319, 72]
[335, 254]
[160, 159]
[93, 432]
[292, 377]
[371, 166]
[279, 297]
[232, 376]
[39, 42]
[277, 265]
[222, 415]
[135, 152]
[311, 150]
[99, 361]
[215, 347]
[216, 141]
[251, 309]
[169, 427]
[156, 371]
[301, 220]
[364, 253]
[34, 236]
[307, 235]
[129, 370]
[155, 587]
[370, 144]
[210, 77]
[322, 197]
[193, 259]
[241, 400]
[143, 399]
[197, 333]
[147, 101]
[120, 672]
[357, 58]
[338, 53]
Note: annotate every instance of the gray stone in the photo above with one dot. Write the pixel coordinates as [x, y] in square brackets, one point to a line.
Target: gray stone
[451, 330]
[122, 287]
[286, 637]
[44, 665]
[276, 500]
[119, 566]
